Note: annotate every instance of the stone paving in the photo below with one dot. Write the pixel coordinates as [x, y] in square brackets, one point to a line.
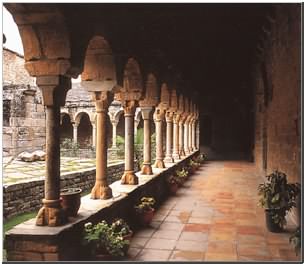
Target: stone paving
[214, 217]
[20, 171]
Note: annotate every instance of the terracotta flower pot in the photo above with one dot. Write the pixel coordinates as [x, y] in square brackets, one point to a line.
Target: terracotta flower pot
[146, 217]
[173, 187]
[70, 200]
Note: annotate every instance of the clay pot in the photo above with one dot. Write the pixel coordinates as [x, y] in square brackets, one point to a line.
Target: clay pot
[70, 200]
[271, 225]
[128, 236]
[173, 187]
[146, 217]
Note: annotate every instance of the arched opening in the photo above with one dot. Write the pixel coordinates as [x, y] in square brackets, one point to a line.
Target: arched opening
[66, 127]
[84, 130]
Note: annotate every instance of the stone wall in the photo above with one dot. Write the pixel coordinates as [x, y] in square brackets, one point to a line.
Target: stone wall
[23, 119]
[278, 99]
[277, 83]
[13, 69]
[26, 197]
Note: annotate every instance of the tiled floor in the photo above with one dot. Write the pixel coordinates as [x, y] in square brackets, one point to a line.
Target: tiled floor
[213, 217]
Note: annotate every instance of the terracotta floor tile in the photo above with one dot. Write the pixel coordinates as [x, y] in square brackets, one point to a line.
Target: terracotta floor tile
[179, 255]
[194, 236]
[148, 232]
[159, 243]
[171, 226]
[220, 257]
[253, 249]
[245, 238]
[250, 230]
[200, 220]
[138, 242]
[196, 227]
[222, 235]
[153, 255]
[191, 245]
[226, 247]
[133, 252]
[167, 234]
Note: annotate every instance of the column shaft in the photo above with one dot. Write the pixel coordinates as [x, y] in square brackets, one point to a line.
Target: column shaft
[169, 134]
[159, 160]
[181, 139]
[193, 136]
[94, 135]
[75, 130]
[175, 139]
[190, 137]
[129, 176]
[146, 168]
[186, 138]
[114, 134]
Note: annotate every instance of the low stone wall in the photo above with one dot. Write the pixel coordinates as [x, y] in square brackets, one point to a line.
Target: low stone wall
[29, 242]
[26, 197]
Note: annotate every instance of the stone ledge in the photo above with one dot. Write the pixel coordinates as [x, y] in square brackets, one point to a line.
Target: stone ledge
[66, 239]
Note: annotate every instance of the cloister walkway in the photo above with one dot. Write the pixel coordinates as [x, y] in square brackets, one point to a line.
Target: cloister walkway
[213, 217]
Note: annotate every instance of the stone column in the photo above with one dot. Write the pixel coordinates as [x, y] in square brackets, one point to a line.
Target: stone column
[93, 134]
[54, 89]
[101, 190]
[176, 154]
[186, 136]
[136, 123]
[114, 133]
[181, 138]
[146, 115]
[198, 135]
[190, 135]
[193, 135]
[75, 129]
[158, 117]
[169, 134]
[129, 176]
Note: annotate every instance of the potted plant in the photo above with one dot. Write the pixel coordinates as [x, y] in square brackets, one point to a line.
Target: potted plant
[193, 166]
[181, 175]
[277, 197]
[121, 227]
[145, 210]
[70, 200]
[295, 239]
[103, 243]
[201, 158]
[173, 183]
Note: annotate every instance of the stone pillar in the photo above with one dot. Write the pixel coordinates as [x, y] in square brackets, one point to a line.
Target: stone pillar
[101, 190]
[136, 123]
[158, 117]
[93, 134]
[190, 135]
[181, 138]
[75, 129]
[186, 136]
[54, 89]
[198, 135]
[193, 135]
[114, 133]
[169, 134]
[129, 176]
[146, 115]
[176, 154]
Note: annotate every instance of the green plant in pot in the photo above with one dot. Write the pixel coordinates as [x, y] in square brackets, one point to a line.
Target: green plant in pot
[181, 175]
[121, 227]
[173, 183]
[295, 239]
[193, 165]
[201, 158]
[145, 210]
[103, 243]
[277, 197]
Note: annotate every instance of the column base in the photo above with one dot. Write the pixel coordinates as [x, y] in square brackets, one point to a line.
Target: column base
[159, 164]
[101, 191]
[51, 214]
[146, 169]
[187, 152]
[129, 177]
[182, 153]
[169, 159]
[176, 156]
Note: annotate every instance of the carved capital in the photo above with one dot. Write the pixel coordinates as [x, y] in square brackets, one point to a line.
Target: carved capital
[102, 100]
[146, 112]
[129, 107]
[159, 114]
[176, 118]
[169, 116]
[53, 89]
